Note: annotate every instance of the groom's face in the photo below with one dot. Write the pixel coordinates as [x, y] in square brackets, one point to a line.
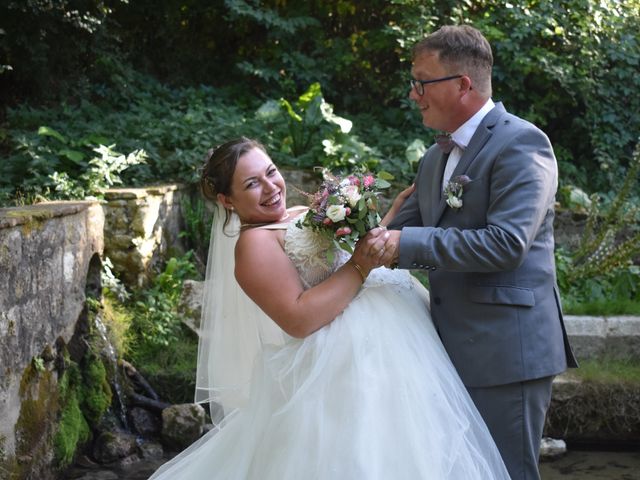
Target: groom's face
[439, 102]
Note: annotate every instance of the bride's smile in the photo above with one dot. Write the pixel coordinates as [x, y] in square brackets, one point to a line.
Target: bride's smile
[258, 191]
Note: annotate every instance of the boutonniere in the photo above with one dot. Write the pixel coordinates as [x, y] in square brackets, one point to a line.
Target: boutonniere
[454, 190]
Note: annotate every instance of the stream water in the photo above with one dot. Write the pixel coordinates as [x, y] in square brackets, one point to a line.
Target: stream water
[575, 465]
[593, 465]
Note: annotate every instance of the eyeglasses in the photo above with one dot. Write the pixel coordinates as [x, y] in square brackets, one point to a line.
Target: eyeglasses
[419, 84]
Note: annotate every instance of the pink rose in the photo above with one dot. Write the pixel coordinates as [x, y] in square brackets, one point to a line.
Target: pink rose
[353, 180]
[368, 181]
[327, 221]
[343, 231]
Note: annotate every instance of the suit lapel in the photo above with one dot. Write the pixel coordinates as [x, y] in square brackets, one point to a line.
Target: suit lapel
[480, 137]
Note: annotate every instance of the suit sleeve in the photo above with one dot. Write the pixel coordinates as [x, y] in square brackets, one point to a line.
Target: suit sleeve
[522, 187]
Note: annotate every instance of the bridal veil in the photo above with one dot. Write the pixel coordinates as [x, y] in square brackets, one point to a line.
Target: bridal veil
[233, 329]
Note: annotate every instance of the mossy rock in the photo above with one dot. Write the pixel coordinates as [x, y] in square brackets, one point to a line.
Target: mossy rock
[73, 430]
[96, 393]
[36, 424]
[182, 425]
[595, 411]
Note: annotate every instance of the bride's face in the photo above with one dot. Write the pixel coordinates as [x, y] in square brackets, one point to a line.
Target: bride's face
[258, 191]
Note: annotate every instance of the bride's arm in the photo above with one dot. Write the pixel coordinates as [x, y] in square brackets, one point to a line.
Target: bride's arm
[270, 279]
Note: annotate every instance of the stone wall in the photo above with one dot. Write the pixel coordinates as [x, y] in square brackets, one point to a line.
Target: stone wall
[49, 259]
[141, 224]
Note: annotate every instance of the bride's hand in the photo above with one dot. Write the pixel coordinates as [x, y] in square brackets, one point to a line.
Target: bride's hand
[397, 203]
[370, 249]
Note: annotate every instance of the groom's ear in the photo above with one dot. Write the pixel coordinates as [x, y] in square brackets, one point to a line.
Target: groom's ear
[465, 84]
[225, 201]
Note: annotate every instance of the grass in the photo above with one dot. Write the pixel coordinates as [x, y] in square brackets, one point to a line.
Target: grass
[171, 369]
[603, 307]
[608, 370]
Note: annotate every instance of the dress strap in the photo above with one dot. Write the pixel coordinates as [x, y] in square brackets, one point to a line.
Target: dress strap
[284, 225]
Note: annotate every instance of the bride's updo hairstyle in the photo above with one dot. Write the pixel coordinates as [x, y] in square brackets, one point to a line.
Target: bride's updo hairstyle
[220, 165]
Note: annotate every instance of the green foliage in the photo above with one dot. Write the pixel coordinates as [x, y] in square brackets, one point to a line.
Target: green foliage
[608, 370]
[197, 229]
[111, 285]
[47, 47]
[171, 369]
[99, 174]
[84, 396]
[574, 198]
[47, 163]
[53, 150]
[168, 131]
[569, 66]
[601, 268]
[38, 364]
[312, 135]
[72, 427]
[601, 250]
[152, 336]
[96, 392]
[157, 321]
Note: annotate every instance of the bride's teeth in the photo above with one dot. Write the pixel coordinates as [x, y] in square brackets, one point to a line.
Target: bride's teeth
[273, 200]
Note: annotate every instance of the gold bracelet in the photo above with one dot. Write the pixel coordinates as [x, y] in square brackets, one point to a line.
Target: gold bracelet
[359, 269]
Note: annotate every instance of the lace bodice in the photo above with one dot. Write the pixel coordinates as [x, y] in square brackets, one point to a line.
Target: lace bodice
[308, 251]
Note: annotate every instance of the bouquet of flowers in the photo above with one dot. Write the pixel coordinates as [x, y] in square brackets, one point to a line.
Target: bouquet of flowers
[345, 207]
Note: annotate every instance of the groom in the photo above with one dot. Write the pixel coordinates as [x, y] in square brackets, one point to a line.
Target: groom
[481, 222]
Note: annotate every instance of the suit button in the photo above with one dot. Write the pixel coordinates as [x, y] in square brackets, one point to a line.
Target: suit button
[437, 300]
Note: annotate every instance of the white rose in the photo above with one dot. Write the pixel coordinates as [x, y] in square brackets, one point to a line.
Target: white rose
[454, 202]
[352, 195]
[336, 213]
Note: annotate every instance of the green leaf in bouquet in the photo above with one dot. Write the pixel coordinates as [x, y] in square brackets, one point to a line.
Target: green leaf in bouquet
[381, 183]
[361, 228]
[384, 175]
[373, 219]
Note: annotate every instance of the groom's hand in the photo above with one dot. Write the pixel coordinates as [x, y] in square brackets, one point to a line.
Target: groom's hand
[389, 257]
[383, 245]
[374, 242]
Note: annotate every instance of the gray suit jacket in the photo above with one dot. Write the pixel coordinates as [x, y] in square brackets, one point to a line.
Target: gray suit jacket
[494, 297]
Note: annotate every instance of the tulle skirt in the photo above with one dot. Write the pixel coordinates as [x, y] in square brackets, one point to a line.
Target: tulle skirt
[373, 395]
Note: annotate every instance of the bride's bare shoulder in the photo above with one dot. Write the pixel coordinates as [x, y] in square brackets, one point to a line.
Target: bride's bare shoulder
[259, 239]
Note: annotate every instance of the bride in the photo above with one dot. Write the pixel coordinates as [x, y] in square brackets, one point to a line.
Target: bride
[343, 378]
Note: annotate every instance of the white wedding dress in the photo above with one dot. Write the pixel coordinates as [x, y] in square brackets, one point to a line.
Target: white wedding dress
[371, 396]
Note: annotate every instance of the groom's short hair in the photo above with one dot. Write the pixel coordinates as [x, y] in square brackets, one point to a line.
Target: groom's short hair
[462, 49]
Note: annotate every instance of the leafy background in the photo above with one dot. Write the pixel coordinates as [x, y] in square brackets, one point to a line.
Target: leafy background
[97, 93]
[102, 93]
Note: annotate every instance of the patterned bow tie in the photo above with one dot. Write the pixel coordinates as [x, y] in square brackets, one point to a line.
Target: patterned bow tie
[445, 142]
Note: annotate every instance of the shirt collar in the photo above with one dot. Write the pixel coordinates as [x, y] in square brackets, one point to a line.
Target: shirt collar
[462, 136]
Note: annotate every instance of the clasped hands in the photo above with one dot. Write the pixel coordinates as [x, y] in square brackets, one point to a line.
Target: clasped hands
[381, 245]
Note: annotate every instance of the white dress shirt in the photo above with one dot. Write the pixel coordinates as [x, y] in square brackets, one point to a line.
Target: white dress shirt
[462, 137]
